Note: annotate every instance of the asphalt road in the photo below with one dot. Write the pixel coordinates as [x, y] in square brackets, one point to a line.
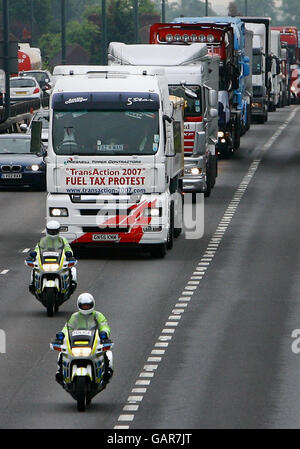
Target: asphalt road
[202, 337]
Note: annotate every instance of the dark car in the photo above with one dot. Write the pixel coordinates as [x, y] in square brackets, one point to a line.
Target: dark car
[18, 166]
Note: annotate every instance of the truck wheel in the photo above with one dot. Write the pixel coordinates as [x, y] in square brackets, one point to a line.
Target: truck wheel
[158, 251]
[178, 230]
[208, 187]
[170, 240]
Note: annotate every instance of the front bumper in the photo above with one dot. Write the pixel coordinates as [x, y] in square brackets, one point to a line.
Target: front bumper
[258, 106]
[33, 179]
[194, 183]
[96, 229]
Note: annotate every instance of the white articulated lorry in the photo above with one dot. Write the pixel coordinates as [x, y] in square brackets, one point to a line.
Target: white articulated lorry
[115, 158]
[276, 93]
[193, 74]
[261, 69]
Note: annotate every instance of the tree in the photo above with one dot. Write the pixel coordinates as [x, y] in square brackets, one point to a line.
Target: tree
[20, 16]
[87, 31]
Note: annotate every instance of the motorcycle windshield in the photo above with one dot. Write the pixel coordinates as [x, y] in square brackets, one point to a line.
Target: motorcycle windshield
[50, 255]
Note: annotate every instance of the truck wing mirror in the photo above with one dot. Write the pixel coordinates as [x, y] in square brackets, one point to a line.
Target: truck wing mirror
[246, 69]
[212, 98]
[213, 112]
[167, 118]
[36, 132]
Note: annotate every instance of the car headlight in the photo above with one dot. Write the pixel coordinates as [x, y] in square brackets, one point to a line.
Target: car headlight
[81, 352]
[152, 212]
[58, 212]
[33, 167]
[50, 267]
[210, 38]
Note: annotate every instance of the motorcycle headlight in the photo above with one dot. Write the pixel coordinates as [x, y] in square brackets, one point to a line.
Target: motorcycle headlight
[220, 134]
[81, 352]
[50, 267]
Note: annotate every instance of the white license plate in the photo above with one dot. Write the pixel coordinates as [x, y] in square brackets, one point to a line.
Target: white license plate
[12, 175]
[106, 237]
[81, 332]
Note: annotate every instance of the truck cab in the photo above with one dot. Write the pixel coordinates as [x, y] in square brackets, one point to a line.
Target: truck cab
[219, 40]
[115, 158]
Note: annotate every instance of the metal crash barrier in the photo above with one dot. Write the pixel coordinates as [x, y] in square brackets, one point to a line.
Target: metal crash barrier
[20, 113]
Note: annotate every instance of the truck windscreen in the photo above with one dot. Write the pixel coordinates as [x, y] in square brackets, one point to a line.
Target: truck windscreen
[292, 53]
[98, 133]
[193, 105]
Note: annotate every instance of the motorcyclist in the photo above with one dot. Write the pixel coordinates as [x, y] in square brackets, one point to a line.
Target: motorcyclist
[53, 241]
[85, 318]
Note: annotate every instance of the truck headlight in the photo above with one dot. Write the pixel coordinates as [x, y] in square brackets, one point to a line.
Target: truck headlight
[58, 212]
[152, 212]
[50, 267]
[81, 352]
[195, 171]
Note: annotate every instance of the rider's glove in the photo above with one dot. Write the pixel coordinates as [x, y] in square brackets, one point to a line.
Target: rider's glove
[104, 338]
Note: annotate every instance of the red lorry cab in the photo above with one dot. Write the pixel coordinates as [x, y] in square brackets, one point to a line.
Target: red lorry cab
[289, 35]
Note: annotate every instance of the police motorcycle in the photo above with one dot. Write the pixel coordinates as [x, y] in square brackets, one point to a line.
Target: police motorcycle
[53, 276]
[83, 360]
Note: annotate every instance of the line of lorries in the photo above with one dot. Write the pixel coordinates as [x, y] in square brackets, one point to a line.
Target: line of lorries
[128, 142]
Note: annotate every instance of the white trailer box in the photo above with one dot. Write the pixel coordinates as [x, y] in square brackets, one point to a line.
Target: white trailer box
[191, 73]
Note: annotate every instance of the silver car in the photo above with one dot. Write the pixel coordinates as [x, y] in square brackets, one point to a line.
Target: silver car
[24, 88]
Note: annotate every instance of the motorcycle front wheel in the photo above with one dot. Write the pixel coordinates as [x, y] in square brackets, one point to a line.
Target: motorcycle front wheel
[50, 300]
[81, 393]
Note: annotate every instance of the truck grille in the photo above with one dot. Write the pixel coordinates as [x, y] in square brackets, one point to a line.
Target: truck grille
[105, 212]
[110, 229]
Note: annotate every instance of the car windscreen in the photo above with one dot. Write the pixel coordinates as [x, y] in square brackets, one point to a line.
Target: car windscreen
[193, 105]
[105, 132]
[11, 145]
[22, 83]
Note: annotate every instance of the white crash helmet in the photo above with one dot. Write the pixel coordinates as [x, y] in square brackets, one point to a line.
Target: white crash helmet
[85, 303]
[52, 228]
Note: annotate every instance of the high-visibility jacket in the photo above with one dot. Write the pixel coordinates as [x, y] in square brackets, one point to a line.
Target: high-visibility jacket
[80, 321]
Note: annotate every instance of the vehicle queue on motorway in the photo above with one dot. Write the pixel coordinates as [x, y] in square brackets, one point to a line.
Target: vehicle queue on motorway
[127, 143]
